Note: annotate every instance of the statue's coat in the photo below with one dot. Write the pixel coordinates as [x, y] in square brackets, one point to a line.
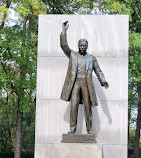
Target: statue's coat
[91, 64]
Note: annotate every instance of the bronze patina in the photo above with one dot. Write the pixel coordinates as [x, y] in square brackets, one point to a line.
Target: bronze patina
[78, 86]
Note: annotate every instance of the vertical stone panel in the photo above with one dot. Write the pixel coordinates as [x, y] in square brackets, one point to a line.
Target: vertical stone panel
[108, 42]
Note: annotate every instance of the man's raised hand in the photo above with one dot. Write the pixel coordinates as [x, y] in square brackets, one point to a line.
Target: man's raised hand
[65, 25]
[106, 85]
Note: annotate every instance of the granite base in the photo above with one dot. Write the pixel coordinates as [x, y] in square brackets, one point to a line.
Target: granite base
[68, 150]
[78, 138]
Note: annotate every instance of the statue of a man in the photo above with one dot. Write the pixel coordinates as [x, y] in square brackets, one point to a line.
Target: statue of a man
[78, 84]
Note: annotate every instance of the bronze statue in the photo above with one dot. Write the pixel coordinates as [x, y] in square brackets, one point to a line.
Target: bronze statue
[78, 84]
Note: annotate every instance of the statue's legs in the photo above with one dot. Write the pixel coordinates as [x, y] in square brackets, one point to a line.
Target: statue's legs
[75, 96]
[88, 109]
[80, 84]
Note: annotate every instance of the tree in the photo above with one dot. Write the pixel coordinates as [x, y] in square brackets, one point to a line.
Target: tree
[135, 79]
[18, 45]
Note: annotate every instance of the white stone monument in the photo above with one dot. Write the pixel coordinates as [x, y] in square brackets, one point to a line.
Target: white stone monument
[108, 42]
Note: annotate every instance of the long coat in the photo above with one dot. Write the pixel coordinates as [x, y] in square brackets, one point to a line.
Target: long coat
[91, 64]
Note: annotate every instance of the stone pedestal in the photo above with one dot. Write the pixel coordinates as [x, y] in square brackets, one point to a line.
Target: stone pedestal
[78, 138]
[71, 150]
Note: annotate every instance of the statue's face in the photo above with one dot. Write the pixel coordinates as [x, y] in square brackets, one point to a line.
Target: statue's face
[82, 45]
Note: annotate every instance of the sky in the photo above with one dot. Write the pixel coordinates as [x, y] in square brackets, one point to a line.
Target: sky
[13, 17]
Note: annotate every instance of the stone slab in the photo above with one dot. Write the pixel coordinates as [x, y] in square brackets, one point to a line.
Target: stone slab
[107, 35]
[68, 150]
[78, 138]
[51, 74]
[115, 151]
[109, 121]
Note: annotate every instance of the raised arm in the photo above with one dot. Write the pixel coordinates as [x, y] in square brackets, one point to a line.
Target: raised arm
[63, 39]
[99, 74]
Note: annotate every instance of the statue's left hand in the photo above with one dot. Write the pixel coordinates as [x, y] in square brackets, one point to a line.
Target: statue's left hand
[105, 84]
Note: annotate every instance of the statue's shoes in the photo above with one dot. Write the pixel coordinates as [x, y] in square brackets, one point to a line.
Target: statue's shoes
[71, 132]
[90, 132]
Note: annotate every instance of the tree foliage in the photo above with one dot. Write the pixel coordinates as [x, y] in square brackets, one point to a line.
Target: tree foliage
[18, 47]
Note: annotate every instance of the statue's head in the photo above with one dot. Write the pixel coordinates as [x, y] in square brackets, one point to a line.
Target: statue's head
[82, 46]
